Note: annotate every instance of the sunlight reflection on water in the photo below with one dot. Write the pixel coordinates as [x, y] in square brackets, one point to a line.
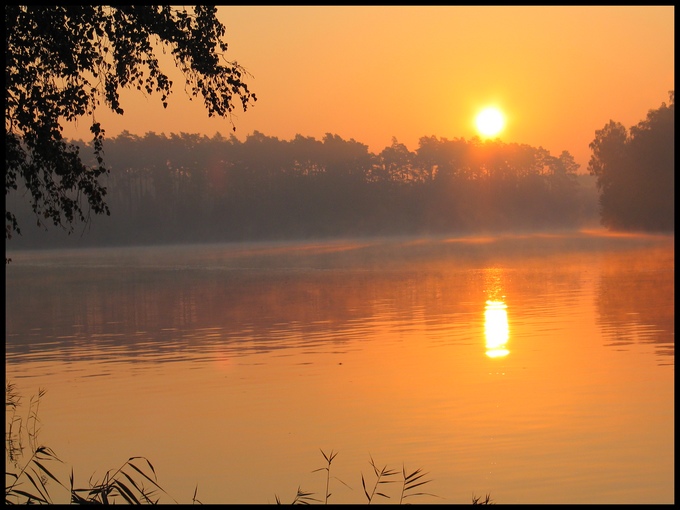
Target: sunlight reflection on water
[496, 329]
[260, 355]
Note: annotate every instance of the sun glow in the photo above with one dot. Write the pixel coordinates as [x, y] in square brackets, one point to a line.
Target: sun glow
[496, 329]
[490, 121]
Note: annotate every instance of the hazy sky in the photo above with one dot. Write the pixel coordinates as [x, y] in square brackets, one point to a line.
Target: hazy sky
[373, 73]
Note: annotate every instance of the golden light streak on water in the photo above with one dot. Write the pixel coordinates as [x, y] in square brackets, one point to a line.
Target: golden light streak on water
[496, 329]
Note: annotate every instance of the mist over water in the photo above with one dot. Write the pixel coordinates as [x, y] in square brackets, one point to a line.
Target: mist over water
[535, 367]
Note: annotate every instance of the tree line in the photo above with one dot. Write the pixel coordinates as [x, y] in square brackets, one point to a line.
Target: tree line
[64, 62]
[635, 171]
[193, 188]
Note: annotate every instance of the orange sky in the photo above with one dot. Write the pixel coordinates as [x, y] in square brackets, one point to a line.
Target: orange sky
[371, 73]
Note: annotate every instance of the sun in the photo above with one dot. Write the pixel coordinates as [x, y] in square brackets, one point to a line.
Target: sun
[490, 121]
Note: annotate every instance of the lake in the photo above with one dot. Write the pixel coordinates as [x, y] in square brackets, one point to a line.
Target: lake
[536, 368]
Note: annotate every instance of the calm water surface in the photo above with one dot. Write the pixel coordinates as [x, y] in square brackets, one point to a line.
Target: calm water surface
[539, 369]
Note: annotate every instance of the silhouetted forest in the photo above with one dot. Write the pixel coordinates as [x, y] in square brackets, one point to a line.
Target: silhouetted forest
[191, 188]
[635, 171]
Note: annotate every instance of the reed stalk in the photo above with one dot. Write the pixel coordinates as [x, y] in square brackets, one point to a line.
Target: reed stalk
[135, 481]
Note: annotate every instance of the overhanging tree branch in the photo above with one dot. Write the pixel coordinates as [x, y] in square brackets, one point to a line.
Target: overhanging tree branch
[61, 62]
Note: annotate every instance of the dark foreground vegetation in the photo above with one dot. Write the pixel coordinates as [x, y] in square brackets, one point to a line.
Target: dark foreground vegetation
[30, 472]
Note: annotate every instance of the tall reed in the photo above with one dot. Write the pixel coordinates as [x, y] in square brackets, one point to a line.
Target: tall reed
[383, 477]
[27, 475]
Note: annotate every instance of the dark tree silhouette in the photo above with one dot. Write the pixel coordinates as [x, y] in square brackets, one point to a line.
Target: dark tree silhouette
[635, 172]
[187, 188]
[62, 61]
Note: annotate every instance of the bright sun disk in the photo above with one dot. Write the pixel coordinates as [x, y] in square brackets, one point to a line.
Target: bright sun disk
[490, 121]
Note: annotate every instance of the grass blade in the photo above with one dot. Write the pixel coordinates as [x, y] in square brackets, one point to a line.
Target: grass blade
[43, 496]
[144, 475]
[29, 496]
[364, 485]
[47, 472]
[134, 484]
[126, 493]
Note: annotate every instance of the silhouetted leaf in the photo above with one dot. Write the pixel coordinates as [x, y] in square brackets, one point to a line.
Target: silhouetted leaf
[47, 472]
[126, 493]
